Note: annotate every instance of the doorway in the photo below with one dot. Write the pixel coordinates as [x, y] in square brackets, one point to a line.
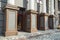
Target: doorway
[20, 19]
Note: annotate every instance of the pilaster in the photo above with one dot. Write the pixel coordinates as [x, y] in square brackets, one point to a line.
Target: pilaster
[56, 13]
[30, 21]
[11, 20]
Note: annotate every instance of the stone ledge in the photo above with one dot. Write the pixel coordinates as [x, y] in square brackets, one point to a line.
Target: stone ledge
[44, 14]
[13, 7]
[31, 11]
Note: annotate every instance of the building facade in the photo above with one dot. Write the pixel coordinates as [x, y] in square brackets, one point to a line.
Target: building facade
[28, 15]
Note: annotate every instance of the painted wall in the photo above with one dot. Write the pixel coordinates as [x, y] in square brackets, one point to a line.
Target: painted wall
[31, 5]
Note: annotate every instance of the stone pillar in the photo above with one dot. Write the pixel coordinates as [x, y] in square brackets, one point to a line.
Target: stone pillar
[43, 17]
[51, 7]
[56, 13]
[12, 2]
[51, 19]
[11, 20]
[30, 18]
[43, 6]
[30, 5]
[40, 11]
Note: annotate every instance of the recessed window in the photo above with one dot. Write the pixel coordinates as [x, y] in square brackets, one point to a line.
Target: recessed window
[59, 18]
[59, 5]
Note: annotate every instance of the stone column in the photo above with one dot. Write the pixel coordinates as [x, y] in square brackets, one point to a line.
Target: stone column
[43, 6]
[51, 7]
[12, 2]
[51, 19]
[40, 7]
[43, 17]
[30, 5]
[30, 18]
[56, 13]
[11, 20]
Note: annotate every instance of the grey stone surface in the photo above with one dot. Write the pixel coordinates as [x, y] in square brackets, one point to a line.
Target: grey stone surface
[40, 35]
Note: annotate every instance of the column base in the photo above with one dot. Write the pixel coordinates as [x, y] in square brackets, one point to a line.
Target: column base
[11, 14]
[28, 16]
[51, 22]
[43, 20]
[10, 33]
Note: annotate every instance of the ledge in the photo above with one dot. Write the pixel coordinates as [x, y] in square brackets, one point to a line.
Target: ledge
[44, 14]
[13, 7]
[31, 11]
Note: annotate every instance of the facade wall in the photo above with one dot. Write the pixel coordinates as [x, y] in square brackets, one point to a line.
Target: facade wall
[24, 4]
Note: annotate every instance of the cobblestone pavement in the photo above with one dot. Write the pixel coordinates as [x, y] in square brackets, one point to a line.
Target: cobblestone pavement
[40, 35]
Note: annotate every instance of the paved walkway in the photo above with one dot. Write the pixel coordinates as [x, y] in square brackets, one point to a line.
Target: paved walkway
[40, 35]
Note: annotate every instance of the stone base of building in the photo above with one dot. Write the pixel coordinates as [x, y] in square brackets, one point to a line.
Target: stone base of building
[51, 21]
[28, 21]
[11, 14]
[43, 21]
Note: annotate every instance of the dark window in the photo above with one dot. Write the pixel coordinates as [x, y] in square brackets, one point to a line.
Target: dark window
[47, 5]
[59, 5]
[59, 18]
[20, 18]
[38, 7]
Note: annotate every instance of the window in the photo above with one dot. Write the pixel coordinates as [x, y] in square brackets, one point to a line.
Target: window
[47, 6]
[59, 5]
[59, 18]
[38, 7]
